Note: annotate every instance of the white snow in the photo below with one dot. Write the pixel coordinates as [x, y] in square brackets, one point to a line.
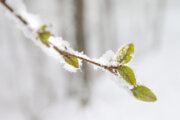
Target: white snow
[158, 70]
[34, 21]
[108, 59]
[30, 31]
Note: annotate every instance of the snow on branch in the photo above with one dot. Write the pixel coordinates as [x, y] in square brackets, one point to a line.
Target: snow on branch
[34, 29]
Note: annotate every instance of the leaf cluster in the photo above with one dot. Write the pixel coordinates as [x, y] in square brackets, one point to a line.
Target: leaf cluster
[124, 56]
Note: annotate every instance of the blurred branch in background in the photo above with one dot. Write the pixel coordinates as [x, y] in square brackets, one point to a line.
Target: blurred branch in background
[81, 40]
[108, 25]
[158, 22]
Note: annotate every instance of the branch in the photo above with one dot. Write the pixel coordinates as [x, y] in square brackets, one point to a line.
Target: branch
[12, 11]
[123, 57]
[64, 53]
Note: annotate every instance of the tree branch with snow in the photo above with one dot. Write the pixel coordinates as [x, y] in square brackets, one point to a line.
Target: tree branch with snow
[55, 46]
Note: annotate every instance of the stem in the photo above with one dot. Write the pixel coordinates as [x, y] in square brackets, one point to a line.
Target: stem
[12, 11]
[112, 69]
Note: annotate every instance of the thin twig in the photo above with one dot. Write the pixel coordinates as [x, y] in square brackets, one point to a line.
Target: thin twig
[112, 69]
[12, 11]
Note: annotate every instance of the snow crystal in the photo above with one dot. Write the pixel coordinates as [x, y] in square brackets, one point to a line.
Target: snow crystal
[59, 42]
[64, 46]
[107, 59]
[118, 80]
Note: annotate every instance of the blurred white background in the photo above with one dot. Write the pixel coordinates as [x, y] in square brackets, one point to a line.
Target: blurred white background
[33, 86]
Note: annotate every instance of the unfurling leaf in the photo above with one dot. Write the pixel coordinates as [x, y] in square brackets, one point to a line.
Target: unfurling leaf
[143, 93]
[125, 54]
[43, 27]
[71, 60]
[127, 74]
[44, 36]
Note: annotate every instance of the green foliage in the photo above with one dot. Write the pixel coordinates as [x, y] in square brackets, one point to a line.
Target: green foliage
[71, 60]
[127, 74]
[44, 35]
[125, 54]
[43, 27]
[140, 92]
[143, 93]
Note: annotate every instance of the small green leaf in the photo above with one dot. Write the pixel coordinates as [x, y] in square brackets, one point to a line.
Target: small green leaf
[125, 54]
[43, 27]
[127, 74]
[143, 93]
[44, 36]
[71, 60]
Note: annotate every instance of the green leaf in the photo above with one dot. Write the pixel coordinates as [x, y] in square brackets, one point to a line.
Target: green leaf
[71, 60]
[43, 27]
[125, 54]
[44, 36]
[143, 93]
[127, 74]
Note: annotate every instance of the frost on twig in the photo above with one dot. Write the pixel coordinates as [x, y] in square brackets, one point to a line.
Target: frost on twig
[35, 30]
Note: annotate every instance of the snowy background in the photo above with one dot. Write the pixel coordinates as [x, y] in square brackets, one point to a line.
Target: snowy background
[34, 86]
